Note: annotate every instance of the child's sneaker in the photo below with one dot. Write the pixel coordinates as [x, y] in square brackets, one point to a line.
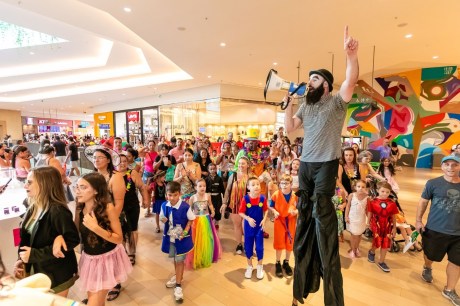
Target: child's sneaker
[178, 294]
[260, 271]
[383, 266]
[371, 257]
[452, 296]
[248, 273]
[239, 249]
[278, 270]
[287, 268]
[172, 282]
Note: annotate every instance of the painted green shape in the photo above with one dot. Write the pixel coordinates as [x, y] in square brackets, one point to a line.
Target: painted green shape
[437, 73]
[365, 134]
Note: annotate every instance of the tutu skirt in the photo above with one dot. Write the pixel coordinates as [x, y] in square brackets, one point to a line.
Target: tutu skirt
[103, 272]
[207, 248]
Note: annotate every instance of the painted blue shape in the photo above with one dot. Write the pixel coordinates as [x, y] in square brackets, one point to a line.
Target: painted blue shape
[425, 158]
[454, 116]
[387, 119]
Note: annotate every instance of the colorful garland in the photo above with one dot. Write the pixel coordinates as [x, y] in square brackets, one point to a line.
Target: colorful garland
[130, 180]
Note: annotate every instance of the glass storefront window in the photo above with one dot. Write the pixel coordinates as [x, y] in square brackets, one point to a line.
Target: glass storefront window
[120, 124]
[150, 124]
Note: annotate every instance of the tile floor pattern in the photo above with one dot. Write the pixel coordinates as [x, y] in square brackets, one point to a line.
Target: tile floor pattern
[224, 283]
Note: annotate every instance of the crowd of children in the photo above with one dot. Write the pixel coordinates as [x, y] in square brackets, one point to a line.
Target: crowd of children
[191, 226]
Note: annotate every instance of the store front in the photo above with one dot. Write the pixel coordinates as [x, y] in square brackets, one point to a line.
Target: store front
[137, 124]
[35, 126]
[103, 124]
[82, 128]
[215, 118]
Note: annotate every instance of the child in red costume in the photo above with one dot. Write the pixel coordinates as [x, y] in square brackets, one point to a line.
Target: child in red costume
[283, 204]
[382, 213]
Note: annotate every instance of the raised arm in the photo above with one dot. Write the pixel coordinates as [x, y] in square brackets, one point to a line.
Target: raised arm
[352, 72]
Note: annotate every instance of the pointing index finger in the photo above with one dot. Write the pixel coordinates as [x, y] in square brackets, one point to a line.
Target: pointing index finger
[345, 34]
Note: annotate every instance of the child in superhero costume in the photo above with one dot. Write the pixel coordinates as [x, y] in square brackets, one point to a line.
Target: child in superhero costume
[382, 213]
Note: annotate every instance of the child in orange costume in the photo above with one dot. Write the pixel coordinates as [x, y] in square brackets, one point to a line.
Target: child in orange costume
[283, 205]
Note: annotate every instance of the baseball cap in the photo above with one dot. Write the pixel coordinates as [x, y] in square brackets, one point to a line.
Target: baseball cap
[450, 157]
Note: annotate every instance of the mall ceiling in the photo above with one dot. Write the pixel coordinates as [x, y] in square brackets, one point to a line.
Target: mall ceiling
[116, 50]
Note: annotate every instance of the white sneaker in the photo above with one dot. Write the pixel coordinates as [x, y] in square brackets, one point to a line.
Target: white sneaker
[178, 295]
[260, 271]
[248, 273]
[172, 282]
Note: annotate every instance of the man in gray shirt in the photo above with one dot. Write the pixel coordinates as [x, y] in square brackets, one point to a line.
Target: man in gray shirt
[441, 235]
[322, 115]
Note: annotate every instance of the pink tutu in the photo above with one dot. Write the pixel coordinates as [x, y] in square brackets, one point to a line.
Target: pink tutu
[103, 272]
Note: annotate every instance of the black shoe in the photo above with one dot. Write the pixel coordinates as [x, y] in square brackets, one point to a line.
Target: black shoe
[278, 270]
[239, 249]
[287, 268]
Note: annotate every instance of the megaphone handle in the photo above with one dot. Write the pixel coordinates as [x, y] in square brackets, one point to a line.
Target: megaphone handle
[284, 105]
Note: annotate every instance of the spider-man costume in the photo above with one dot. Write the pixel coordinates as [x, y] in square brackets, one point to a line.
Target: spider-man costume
[381, 222]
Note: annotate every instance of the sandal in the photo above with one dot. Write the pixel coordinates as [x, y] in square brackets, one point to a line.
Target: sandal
[114, 293]
[132, 259]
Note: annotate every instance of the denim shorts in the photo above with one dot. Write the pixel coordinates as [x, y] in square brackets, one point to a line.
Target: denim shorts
[172, 253]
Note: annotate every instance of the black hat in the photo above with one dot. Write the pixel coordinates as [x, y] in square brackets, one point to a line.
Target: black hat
[326, 75]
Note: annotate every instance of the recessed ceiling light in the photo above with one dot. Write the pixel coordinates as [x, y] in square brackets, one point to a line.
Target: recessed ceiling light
[100, 99]
[275, 63]
[123, 94]
[209, 76]
[31, 105]
[435, 57]
[222, 44]
[260, 83]
[408, 36]
[127, 9]
[31, 53]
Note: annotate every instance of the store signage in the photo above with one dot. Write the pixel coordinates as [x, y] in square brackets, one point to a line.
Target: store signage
[43, 121]
[202, 129]
[101, 117]
[30, 120]
[61, 123]
[133, 116]
[104, 126]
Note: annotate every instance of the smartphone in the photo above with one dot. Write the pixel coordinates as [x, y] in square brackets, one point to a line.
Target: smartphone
[2, 188]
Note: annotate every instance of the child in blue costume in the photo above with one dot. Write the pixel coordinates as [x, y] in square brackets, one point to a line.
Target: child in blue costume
[253, 210]
[177, 241]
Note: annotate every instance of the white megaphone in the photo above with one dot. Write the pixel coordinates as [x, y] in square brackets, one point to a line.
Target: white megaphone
[274, 82]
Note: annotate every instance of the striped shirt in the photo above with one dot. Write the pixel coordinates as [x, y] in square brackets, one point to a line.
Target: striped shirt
[322, 124]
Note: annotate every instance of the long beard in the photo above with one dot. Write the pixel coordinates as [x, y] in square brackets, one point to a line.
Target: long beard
[313, 96]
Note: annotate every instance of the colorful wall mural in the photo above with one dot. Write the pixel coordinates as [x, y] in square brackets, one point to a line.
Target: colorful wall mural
[419, 110]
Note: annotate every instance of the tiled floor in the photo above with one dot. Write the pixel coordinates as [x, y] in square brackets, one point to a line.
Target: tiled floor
[224, 283]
